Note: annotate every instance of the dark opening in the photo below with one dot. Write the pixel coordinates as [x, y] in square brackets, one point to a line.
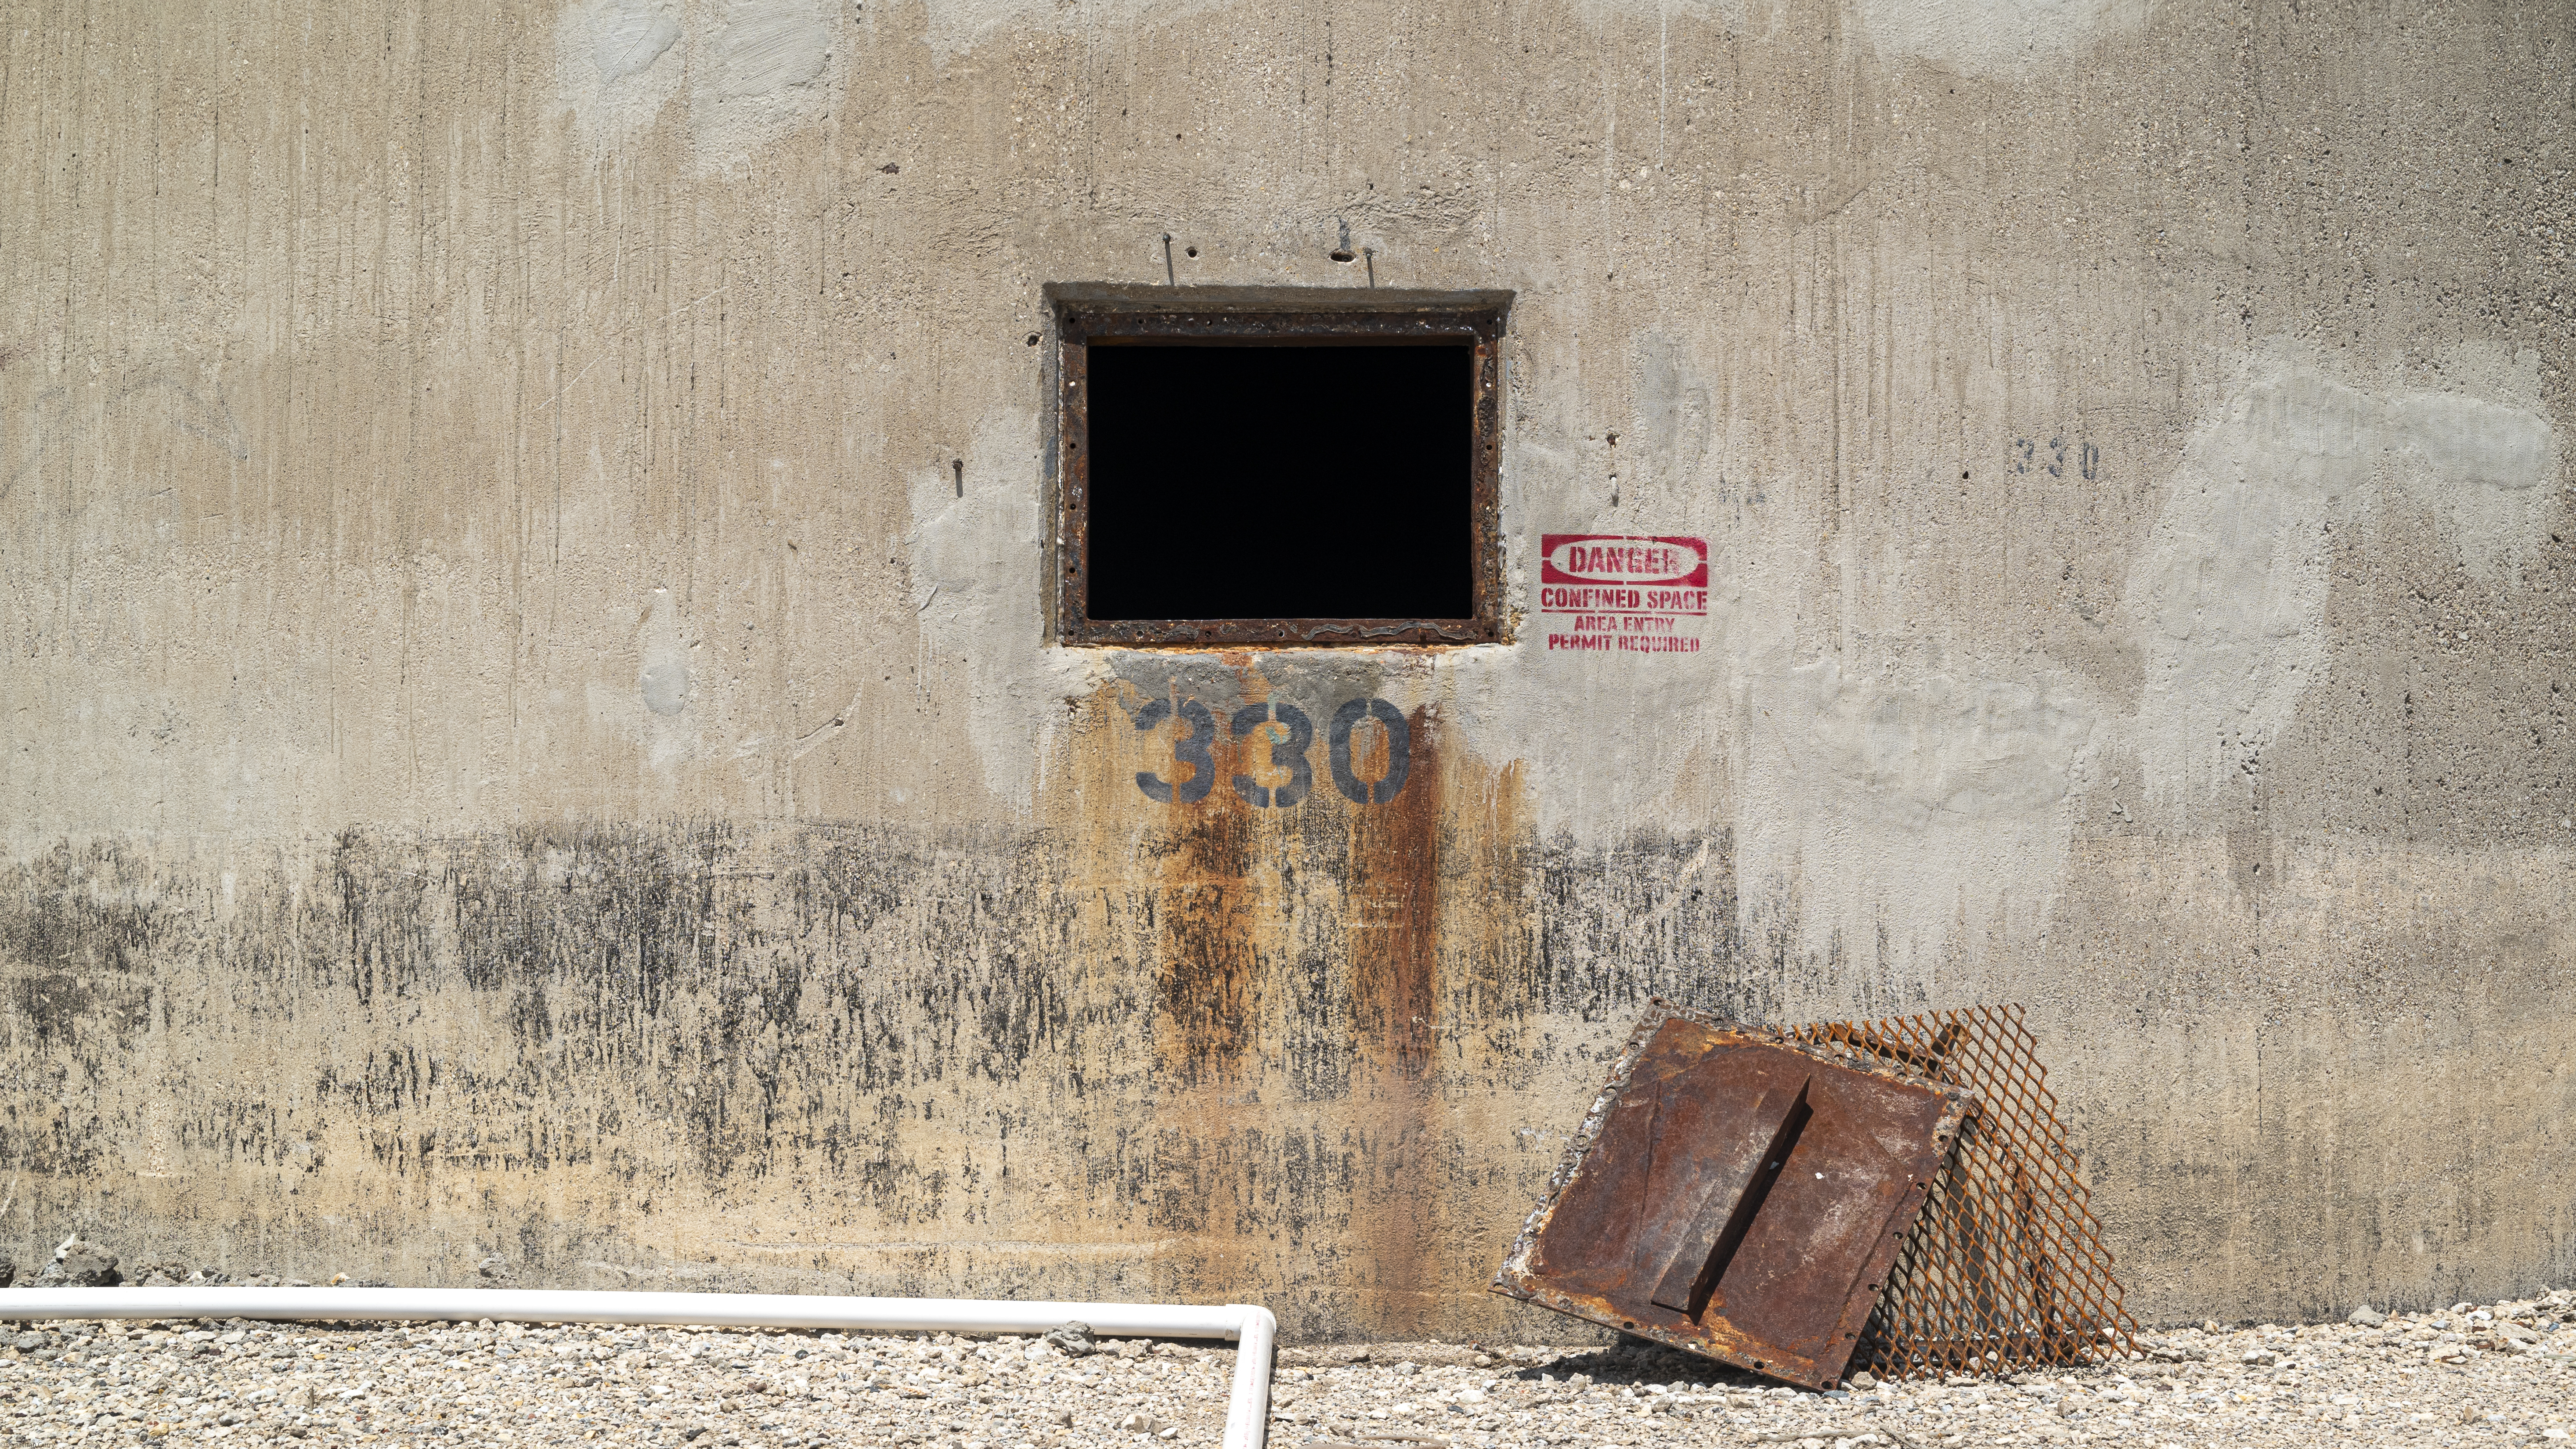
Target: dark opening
[1281, 482]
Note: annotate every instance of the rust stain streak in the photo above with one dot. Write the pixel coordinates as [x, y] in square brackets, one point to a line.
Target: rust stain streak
[1393, 890]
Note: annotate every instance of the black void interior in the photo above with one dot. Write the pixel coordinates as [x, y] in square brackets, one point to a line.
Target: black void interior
[1281, 482]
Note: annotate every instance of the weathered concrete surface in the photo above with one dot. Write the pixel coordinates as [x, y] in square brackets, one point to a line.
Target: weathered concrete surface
[514, 742]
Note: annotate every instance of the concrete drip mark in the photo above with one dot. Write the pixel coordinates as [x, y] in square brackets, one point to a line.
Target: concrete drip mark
[805, 745]
[620, 337]
[1676, 894]
[1369, 255]
[197, 416]
[958, 466]
[191, 413]
[42, 424]
[1170, 277]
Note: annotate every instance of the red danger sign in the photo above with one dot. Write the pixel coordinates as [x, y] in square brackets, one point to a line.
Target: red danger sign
[1622, 593]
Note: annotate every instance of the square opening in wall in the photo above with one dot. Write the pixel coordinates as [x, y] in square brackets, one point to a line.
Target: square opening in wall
[1271, 469]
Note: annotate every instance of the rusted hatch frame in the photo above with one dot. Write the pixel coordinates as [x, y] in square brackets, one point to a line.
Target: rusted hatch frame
[1738, 1193]
[1085, 313]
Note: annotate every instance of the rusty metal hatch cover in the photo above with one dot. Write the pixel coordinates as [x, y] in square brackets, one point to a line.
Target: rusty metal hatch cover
[1737, 1193]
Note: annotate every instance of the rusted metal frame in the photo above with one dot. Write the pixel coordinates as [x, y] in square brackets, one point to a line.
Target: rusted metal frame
[1086, 316]
[1205, 633]
[1715, 1337]
[1321, 327]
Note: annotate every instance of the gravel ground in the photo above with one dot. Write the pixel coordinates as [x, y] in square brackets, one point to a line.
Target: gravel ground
[2491, 1375]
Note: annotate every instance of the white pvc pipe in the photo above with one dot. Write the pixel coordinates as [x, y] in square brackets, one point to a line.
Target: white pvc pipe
[1254, 1330]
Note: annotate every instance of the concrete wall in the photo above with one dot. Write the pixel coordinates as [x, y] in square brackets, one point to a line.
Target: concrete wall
[514, 743]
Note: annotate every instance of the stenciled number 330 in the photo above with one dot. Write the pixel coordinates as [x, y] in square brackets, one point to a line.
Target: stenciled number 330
[1290, 733]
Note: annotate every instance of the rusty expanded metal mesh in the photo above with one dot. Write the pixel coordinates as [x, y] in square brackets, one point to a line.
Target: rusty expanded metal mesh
[2005, 1267]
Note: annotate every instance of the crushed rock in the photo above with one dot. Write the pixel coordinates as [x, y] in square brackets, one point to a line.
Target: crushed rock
[2472, 1375]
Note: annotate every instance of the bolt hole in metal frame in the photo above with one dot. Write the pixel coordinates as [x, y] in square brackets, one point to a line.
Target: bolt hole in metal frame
[1088, 313]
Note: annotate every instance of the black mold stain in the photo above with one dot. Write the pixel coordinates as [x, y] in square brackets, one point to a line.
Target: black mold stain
[83, 911]
[871, 1030]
